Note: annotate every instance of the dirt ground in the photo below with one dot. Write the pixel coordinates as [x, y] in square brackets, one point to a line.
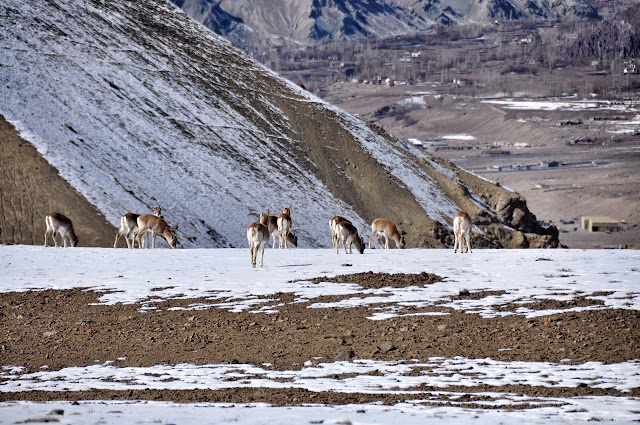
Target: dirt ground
[30, 188]
[62, 328]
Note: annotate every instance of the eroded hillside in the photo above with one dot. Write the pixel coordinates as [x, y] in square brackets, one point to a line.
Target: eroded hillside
[138, 105]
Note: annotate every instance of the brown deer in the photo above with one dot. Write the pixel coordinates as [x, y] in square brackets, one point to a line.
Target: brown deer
[383, 228]
[348, 235]
[462, 232]
[129, 224]
[284, 226]
[272, 226]
[58, 223]
[157, 226]
[332, 224]
[258, 237]
[292, 239]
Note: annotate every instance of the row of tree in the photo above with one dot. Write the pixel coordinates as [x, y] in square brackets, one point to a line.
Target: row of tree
[474, 56]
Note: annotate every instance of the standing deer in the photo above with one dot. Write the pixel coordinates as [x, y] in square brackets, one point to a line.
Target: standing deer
[58, 223]
[348, 235]
[129, 224]
[462, 232]
[157, 226]
[272, 226]
[258, 237]
[332, 224]
[284, 226]
[384, 228]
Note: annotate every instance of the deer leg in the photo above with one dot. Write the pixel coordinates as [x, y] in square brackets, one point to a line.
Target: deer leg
[131, 242]
[138, 234]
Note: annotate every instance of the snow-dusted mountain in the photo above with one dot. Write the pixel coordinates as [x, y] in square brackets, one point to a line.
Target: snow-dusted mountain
[136, 105]
[253, 22]
[488, 11]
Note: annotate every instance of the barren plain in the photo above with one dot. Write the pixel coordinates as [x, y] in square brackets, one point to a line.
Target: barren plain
[569, 156]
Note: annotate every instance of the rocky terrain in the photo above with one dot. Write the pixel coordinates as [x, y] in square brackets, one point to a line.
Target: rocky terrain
[57, 329]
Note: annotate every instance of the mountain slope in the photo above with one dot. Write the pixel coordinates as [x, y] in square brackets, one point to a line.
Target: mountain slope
[138, 105]
[614, 39]
[252, 23]
[31, 188]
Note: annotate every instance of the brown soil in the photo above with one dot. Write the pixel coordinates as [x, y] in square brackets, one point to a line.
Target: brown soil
[30, 188]
[64, 328]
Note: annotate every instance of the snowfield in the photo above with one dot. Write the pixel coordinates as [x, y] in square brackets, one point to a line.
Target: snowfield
[519, 275]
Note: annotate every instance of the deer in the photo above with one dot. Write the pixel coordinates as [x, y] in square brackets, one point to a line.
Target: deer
[332, 224]
[462, 232]
[292, 239]
[284, 226]
[58, 223]
[157, 226]
[348, 235]
[272, 226]
[129, 224]
[258, 237]
[384, 228]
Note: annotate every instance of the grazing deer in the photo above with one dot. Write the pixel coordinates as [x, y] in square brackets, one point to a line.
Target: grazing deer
[258, 237]
[332, 224]
[348, 235]
[462, 232]
[58, 223]
[284, 226]
[129, 224]
[292, 239]
[384, 228]
[157, 226]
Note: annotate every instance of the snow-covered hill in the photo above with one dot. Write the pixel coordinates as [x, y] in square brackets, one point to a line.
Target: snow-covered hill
[138, 105]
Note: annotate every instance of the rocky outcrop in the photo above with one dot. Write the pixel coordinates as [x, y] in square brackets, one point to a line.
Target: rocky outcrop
[502, 215]
[617, 38]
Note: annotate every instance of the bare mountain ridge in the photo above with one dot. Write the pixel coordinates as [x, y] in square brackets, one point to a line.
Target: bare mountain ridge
[138, 105]
[614, 38]
[254, 22]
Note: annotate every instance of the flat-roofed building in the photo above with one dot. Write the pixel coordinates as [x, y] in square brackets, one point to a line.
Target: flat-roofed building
[599, 224]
